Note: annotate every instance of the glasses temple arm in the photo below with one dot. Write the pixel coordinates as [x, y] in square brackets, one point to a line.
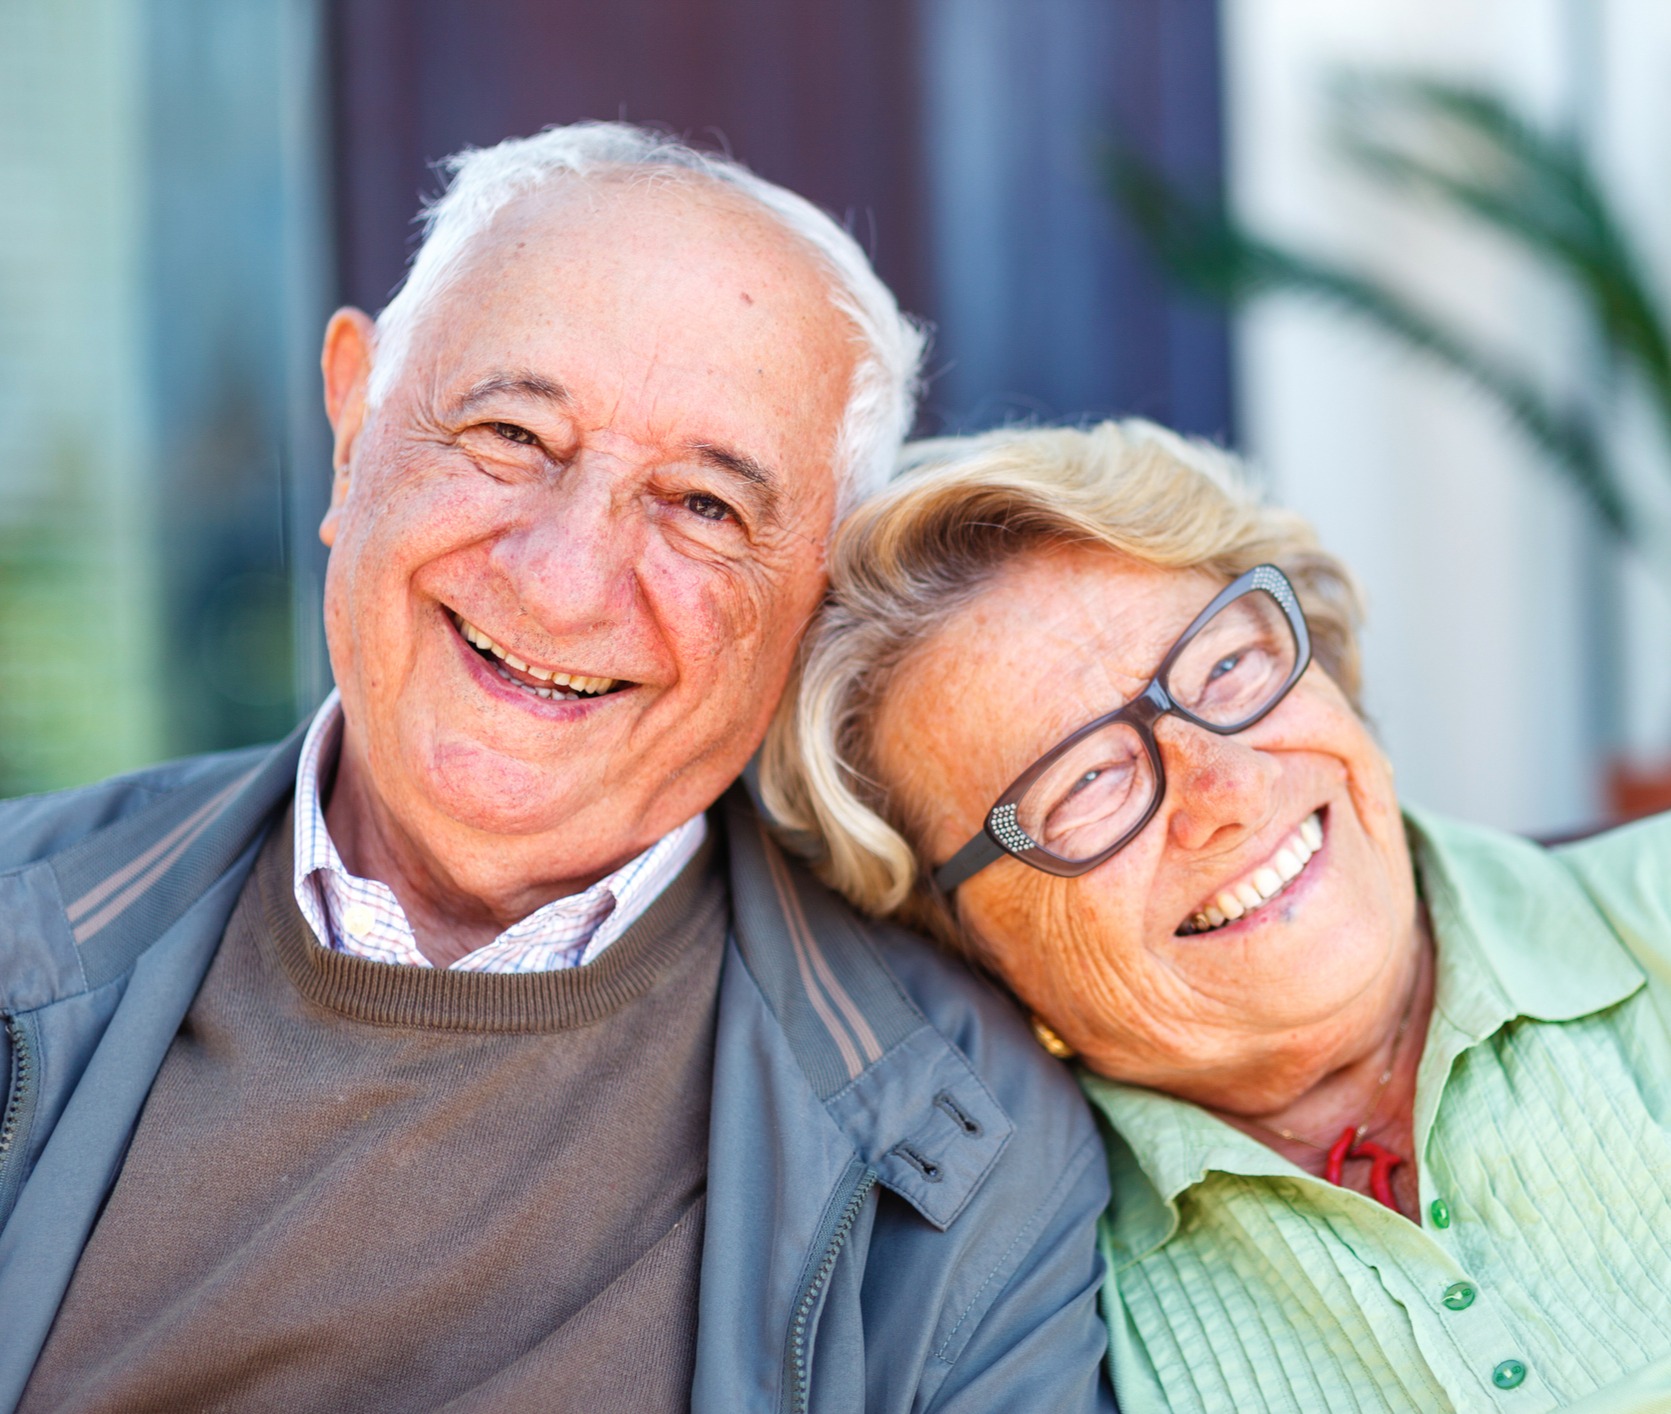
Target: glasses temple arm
[970, 860]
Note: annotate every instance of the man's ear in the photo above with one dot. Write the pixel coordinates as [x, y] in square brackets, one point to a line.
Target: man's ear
[345, 361]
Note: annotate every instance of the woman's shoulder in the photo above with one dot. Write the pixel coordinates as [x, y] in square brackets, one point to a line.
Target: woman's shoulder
[1627, 873]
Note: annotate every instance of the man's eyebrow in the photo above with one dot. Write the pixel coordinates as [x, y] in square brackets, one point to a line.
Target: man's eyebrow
[527, 385]
[738, 464]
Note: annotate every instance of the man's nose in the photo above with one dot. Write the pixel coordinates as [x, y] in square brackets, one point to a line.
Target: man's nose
[1218, 787]
[571, 560]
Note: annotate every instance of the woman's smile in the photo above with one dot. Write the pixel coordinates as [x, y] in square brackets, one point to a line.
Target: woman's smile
[1245, 898]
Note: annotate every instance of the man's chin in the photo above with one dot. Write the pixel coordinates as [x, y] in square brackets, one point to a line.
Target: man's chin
[532, 818]
[499, 795]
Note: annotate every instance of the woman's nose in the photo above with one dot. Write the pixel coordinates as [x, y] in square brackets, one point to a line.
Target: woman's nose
[1217, 787]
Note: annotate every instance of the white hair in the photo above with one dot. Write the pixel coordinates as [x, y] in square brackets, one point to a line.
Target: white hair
[881, 400]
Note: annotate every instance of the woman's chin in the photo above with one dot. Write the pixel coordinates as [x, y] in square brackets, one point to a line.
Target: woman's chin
[1298, 971]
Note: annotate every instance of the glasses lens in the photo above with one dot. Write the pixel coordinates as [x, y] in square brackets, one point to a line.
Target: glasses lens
[1091, 795]
[1237, 663]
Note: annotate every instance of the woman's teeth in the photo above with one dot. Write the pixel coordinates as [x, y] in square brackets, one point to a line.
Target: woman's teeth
[548, 683]
[1264, 883]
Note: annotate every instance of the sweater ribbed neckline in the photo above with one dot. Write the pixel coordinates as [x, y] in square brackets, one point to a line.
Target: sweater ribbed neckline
[391, 994]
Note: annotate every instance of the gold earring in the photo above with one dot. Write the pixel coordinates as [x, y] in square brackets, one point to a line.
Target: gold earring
[1051, 1041]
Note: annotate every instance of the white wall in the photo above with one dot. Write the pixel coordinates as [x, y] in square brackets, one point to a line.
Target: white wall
[1629, 126]
[1480, 569]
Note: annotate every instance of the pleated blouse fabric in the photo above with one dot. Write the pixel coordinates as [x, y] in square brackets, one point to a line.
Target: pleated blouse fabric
[1539, 1276]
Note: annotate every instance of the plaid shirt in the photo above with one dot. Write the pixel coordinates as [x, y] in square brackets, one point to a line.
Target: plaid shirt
[362, 916]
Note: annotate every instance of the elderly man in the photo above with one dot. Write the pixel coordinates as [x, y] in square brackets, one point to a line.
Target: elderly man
[475, 1048]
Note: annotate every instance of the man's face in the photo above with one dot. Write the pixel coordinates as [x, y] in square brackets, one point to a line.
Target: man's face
[608, 453]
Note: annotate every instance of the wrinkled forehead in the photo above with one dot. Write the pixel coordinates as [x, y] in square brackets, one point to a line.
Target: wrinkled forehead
[676, 241]
[671, 309]
[1083, 616]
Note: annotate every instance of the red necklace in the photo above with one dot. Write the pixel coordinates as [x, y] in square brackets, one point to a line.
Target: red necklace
[1352, 1144]
[1382, 1161]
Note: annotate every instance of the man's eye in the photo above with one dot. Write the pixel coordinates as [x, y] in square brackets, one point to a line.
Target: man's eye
[512, 433]
[708, 507]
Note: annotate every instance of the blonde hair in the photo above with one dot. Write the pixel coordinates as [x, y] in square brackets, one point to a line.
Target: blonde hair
[906, 560]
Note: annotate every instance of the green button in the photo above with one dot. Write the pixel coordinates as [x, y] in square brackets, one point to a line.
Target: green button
[1440, 1212]
[1459, 1296]
[1509, 1374]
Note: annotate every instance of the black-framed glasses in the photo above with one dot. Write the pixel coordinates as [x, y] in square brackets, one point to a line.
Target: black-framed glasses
[1088, 796]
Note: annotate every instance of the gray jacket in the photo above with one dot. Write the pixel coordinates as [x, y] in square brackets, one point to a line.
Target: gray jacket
[902, 1190]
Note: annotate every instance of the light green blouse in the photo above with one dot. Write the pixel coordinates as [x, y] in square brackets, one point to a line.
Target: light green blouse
[1540, 1276]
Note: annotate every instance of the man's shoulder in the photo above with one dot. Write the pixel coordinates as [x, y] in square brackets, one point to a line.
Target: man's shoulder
[1018, 1270]
[35, 827]
[832, 974]
[980, 1268]
[987, 1025]
[907, 1008]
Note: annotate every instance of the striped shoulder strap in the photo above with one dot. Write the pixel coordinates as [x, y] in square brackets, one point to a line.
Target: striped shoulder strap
[913, 1105]
[834, 997]
[125, 885]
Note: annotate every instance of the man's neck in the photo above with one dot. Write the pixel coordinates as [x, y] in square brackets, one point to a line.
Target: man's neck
[457, 898]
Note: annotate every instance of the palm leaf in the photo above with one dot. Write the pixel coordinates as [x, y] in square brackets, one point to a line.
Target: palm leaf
[1205, 251]
[1470, 150]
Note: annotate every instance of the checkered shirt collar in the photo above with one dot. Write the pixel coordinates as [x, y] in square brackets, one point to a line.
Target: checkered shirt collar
[363, 917]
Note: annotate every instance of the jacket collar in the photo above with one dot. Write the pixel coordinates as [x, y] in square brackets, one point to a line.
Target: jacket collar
[127, 884]
[908, 1101]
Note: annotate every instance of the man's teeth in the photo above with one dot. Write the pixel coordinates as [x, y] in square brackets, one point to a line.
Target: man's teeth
[1264, 883]
[579, 685]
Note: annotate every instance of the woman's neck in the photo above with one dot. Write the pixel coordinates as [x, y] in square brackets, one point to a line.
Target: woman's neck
[1351, 1122]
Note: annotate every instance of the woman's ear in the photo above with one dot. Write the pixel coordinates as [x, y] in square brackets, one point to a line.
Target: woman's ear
[345, 362]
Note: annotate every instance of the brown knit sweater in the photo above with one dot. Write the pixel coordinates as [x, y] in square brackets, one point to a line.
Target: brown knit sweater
[365, 1187]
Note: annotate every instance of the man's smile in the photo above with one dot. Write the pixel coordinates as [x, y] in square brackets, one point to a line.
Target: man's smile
[539, 680]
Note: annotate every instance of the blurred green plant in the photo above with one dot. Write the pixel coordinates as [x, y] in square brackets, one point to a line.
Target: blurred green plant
[1468, 152]
[51, 712]
[77, 695]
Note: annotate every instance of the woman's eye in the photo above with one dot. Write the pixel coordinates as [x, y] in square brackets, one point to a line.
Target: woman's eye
[1098, 784]
[708, 507]
[1224, 665]
[512, 433]
[1092, 798]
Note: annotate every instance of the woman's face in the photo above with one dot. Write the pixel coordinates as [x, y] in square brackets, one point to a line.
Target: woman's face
[1244, 1016]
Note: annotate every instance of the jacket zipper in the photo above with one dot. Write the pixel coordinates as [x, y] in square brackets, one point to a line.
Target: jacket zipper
[19, 1102]
[800, 1385]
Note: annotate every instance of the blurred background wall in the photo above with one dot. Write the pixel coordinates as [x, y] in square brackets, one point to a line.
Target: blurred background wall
[165, 264]
[191, 185]
[1511, 653]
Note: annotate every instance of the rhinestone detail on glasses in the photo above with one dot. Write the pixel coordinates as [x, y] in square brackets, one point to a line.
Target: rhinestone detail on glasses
[1007, 832]
[1276, 586]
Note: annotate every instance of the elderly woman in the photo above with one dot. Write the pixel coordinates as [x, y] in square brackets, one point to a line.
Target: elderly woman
[1386, 1097]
